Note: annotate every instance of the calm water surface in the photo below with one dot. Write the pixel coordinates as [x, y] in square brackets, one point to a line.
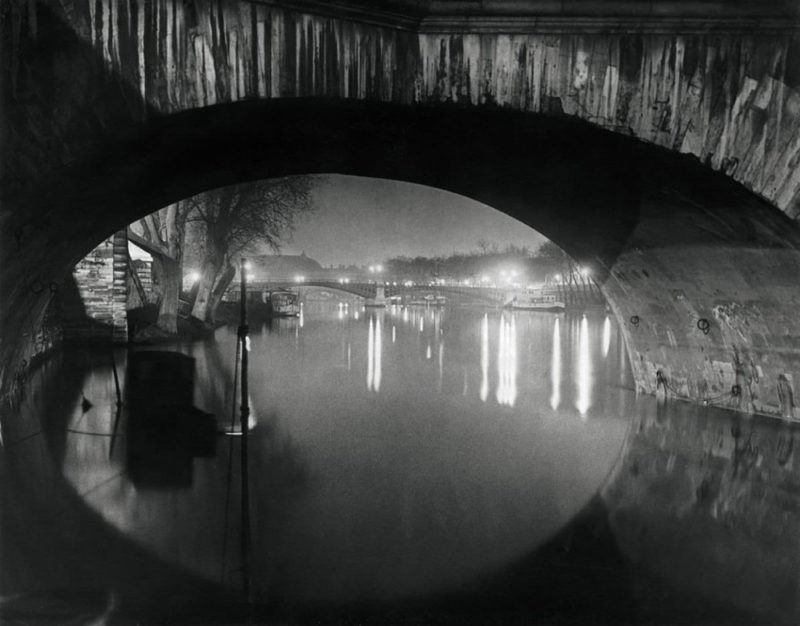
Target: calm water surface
[393, 452]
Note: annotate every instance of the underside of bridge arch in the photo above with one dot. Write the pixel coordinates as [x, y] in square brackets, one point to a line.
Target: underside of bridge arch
[700, 272]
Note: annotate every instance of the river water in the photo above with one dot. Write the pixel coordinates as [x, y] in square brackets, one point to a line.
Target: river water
[393, 452]
[424, 464]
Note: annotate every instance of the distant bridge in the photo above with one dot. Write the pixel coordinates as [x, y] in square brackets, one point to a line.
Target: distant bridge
[572, 294]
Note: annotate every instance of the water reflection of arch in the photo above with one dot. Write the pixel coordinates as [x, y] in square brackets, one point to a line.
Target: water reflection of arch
[710, 500]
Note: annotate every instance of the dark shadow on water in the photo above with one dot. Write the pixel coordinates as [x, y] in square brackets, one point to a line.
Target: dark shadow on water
[709, 500]
[580, 576]
[60, 561]
[165, 431]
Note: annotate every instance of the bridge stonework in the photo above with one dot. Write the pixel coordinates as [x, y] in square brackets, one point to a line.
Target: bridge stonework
[101, 279]
[674, 242]
[727, 94]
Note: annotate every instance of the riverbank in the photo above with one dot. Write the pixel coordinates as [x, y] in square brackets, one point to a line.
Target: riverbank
[143, 329]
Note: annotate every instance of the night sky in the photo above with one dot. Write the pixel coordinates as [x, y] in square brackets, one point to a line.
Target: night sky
[368, 220]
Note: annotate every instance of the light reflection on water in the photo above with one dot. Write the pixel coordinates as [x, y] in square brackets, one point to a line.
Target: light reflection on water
[555, 367]
[584, 377]
[484, 357]
[434, 472]
[374, 354]
[507, 361]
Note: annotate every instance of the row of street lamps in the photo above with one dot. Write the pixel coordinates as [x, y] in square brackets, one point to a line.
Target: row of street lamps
[505, 277]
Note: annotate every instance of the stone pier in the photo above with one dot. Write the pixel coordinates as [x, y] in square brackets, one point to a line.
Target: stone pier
[380, 298]
[101, 279]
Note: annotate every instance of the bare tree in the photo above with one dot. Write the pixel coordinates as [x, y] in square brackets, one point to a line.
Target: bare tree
[162, 235]
[236, 217]
[566, 267]
[549, 250]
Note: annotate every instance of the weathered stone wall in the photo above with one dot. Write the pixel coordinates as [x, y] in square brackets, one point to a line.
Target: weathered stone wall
[713, 323]
[42, 341]
[101, 279]
[706, 298]
[729, 98]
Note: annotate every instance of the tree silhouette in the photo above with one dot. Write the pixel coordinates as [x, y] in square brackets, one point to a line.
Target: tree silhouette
[236, 217]
[163, 236]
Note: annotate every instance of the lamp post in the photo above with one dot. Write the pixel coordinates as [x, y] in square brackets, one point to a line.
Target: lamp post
[243, 420]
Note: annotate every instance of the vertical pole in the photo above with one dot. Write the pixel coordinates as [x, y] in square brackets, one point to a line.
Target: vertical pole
[116, 379]
[244, 419]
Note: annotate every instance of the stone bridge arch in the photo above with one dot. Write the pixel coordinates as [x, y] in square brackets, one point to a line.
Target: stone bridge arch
[699, 270]
[718, 81]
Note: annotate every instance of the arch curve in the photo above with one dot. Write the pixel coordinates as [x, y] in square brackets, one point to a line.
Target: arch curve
[669, 242]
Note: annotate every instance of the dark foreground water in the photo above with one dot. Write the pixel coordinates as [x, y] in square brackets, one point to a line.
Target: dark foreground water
[405, 464]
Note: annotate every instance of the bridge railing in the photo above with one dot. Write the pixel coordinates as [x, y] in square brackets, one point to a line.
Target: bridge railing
[573, 294]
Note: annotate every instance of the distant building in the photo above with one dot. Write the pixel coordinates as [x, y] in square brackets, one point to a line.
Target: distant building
[284, 266]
